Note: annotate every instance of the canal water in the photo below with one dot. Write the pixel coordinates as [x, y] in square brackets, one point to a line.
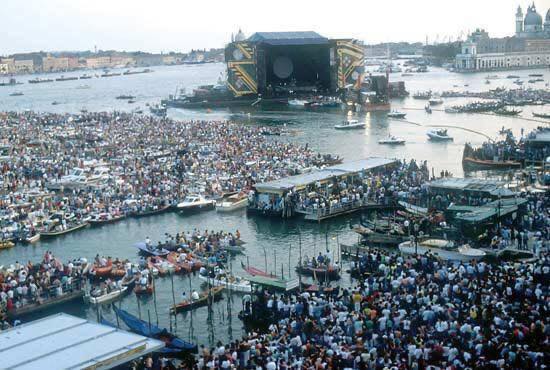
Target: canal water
[270, 243]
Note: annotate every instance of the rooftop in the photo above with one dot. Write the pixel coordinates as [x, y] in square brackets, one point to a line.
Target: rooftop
[467, 184]
[67, 342]
[541, 136]
[288, 38]
[324, 174]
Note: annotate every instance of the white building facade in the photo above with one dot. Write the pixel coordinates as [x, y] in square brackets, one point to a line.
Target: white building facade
[528, 48]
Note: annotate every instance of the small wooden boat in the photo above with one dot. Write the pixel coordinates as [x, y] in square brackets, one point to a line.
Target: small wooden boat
[44, 304]
[105, 218]
[58, 232]
[320, 272]
[473, 163]
[152, 212]
[143, 290]
[105, 297]
[187, 305]
[6, 244]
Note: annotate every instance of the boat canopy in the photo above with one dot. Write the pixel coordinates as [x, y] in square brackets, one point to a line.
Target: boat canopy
[498, 208]
[63, 341]
[322, 175]
[467, 184]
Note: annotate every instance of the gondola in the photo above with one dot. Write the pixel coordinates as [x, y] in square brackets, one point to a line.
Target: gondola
[151, 251]
[152, 331]
[473, 163]
[188, 305]
[319, 273]
[152, 212]
[52, 234]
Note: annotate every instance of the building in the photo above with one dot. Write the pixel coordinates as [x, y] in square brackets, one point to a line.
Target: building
[528, 48]
[56, 64]
[7, 65]
[289, 63]
[98, 62]
[24, 66]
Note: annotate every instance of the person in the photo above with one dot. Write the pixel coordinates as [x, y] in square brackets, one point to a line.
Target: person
[195, 295]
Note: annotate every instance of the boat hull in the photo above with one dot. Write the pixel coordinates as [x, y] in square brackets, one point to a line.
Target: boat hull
[231, 207]
[106, 298]
[53, 234]
[468, 162]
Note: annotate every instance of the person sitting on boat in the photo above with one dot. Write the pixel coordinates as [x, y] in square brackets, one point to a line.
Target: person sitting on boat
[148, 243]
[195, 295]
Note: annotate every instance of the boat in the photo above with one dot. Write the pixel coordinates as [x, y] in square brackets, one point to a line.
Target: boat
[16, 93]
[32, 238]
[234, 249]
[443, 249]
[234, 283]
[158, 110]
[213, 294]
[151, 212]
[320, 272]
[55, 102]
[513, 77]
[6, 244]
[396, 114]
[435, 100]
[195, 203]
[541, 115]
[350, 124]
[380, 238]
[297, 102]
[131, 101]
[256, 272]
[320, 289]
[105, 218]
[63, 78]
[143, 290]
[105, 297]
[492, 77]
[125, 97]
[451, 110]
[518, 82]
[148, 329]
[392, 140]
[507, 112]
[85, 77]
[102, 271]
[536, 75]
[57, 231]
[232, 202]
[40, 80]
[406, 74]
[486, 164]
[151, 251]
[439, 135]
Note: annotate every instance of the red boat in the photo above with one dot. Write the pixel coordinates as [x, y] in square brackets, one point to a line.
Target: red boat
[140, 290]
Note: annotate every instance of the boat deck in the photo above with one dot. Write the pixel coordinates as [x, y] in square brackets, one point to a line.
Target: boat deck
[321, 214]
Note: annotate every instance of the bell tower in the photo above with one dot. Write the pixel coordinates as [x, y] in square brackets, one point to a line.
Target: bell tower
[519, 21]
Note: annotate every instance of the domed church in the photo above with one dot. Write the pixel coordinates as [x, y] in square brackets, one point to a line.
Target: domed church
[528, 48]
[532, 26]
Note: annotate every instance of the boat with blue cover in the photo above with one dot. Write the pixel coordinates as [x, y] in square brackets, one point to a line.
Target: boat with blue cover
[150, 250]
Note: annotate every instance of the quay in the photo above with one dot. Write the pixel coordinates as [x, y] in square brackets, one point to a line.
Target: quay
[320, 194]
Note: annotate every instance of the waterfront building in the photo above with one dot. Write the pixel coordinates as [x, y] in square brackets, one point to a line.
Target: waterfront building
[8, 65]
[528, 48]
[98, 62]
[56, 64]
[24, 66]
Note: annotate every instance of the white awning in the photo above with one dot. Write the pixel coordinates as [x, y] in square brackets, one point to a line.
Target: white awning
[67, 342]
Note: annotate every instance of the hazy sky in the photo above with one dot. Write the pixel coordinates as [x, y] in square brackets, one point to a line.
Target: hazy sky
[180, 25]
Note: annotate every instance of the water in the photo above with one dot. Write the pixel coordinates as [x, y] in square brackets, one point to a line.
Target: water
[266, 238]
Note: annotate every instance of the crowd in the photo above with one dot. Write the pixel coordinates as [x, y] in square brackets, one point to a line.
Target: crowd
[22, 284]
[119, 163]
[407, 313]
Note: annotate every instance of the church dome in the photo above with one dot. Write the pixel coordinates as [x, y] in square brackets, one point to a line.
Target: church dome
[532, 18]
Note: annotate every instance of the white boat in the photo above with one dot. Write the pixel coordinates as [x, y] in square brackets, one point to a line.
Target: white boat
[350, 124]
[232, 202]
[234, 283]
[451, 110]
[392, 140]
[33, 239]
[439, 135]
[435, 100]
[443, 249]
[492, 77]
[297, 102]
[396, 114]
[193, 203]
[107, 297]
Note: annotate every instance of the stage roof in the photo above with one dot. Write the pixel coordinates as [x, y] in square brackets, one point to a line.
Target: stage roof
[67, 342]
[288, 38]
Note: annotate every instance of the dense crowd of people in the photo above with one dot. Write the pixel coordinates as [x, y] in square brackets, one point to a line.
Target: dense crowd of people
[407, 313]
[119, 163]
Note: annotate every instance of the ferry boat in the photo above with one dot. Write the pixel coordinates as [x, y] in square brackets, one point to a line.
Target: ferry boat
[396, 114]
[392, 140]
[232, 202]
[195, 203]
[350, 124]
[541, 115]
[442, 248]
[439, 135]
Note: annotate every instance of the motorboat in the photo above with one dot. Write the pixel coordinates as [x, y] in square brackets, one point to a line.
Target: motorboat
[234, 283]
[396, 114]
[350, 124]
[297, 102]
[98, 297]
[232, 202]
[150, 250]
[439, 135]
[435, 100]
[195, 203]
[442, 248]
[72, 180]
[392, 140]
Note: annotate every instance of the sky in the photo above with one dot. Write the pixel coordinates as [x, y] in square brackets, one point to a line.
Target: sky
[182, 25]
